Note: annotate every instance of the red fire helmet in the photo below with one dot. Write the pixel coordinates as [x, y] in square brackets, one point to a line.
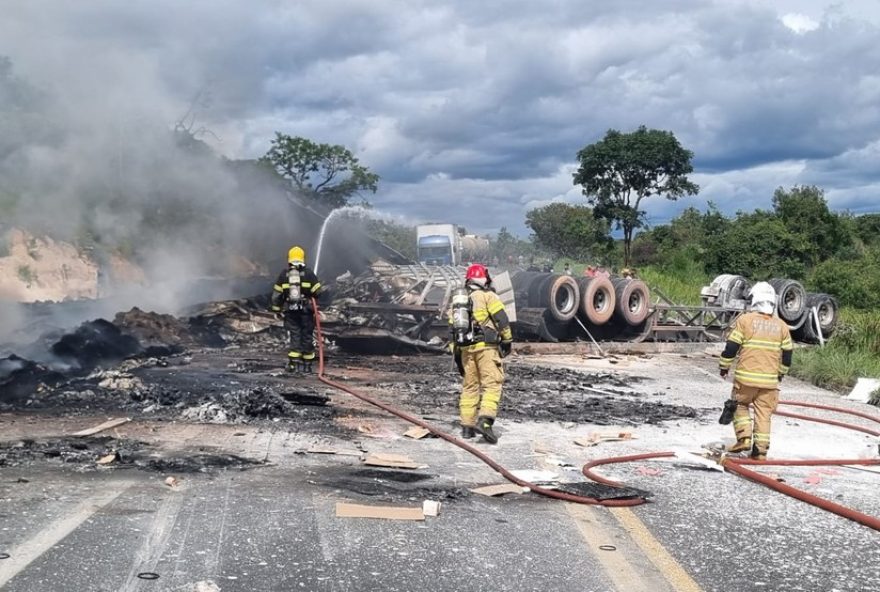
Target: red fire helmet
[476, 272]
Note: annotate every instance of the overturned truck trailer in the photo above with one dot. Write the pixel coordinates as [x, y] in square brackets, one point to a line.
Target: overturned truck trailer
[403, 307]
[399, 307]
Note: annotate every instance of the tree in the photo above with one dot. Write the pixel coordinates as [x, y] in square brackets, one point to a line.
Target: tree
[400, 237]
[569, 231]
[506, 247]
[757, 245]
[621, 170]
[805, 213]
[330, 174]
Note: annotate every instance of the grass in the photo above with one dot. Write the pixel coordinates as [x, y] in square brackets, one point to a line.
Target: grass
[680, 286]
[853, 352]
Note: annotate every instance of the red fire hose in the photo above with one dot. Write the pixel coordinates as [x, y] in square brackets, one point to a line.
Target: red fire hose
[735, 465]
[569, 497]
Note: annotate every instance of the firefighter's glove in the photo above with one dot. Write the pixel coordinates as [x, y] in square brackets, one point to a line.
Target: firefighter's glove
[505, 347]
[458, 363]
[780, 377]
[723, 372]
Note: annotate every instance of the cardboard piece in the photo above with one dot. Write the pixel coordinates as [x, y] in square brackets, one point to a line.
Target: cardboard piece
[533, 476]
[346, 510]
[862, 390]
[416, 432]
[397, 461]
[431, 508]
[110, 423]
[597, 437]
[493, 490]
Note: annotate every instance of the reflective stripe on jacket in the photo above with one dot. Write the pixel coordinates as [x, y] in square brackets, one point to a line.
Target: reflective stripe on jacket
[764, 346]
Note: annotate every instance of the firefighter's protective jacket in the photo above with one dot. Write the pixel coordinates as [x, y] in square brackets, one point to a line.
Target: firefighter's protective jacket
[491, 324]
[764, 345]
[309, 287]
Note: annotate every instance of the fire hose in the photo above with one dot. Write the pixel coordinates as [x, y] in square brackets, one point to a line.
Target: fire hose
[735, 465]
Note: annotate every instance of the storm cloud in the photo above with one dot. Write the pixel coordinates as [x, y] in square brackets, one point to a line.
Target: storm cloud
[473, 112]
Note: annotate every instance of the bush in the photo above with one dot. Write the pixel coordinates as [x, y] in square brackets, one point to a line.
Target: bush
[854, 283]
[852, 352]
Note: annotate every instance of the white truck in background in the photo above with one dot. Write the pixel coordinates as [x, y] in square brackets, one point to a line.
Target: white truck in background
[446, 244]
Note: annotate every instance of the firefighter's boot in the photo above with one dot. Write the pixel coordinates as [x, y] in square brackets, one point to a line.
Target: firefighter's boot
[468, 432]
[295, 367]
[484, 427]
[307, 367]
[742, 445]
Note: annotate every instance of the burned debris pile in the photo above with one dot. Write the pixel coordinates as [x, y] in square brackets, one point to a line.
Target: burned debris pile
[543, 394]
[107, 452]
[392, 308]
[141, 362]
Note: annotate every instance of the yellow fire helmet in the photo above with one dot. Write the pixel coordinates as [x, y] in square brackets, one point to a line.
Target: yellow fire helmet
[296, 256]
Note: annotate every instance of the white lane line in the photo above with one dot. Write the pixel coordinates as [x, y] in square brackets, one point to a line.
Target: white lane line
[25, 553]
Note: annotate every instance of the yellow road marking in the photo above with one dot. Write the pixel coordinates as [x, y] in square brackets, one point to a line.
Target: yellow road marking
[671, 569]
[618, 565]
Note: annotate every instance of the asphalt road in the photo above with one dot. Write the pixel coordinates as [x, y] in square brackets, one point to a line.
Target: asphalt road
[274, 527]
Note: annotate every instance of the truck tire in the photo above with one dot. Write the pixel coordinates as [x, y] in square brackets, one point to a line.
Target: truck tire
[561, 296]
[597, 300]
[827, 309]
[557, 293]
[537, 324]
[791, 299]
[526, 287]
[632, 301]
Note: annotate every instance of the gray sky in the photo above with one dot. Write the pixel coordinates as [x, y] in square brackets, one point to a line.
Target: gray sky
[472, 112]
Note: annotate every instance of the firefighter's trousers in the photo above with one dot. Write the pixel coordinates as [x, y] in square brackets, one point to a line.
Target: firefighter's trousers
[300, 327]
[481, 385]
[764, 402]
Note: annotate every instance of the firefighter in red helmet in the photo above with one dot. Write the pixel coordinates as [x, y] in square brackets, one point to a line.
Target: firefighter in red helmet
[481, 338]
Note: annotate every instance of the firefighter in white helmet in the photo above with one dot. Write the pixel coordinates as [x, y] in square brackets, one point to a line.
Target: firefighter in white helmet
[292, 297]
[763, 344]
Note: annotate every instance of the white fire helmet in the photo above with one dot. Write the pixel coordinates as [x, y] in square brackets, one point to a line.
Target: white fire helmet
[763, 298]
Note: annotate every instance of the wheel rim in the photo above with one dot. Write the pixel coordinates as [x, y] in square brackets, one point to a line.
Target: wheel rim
[564, 299]
[600, 300]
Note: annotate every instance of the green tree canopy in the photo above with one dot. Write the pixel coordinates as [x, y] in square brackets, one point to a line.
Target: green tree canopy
[400, 237]
[621, 170]
[328, 173]
[570, 231]
[867, 228]
[805, 213]
[758, 246]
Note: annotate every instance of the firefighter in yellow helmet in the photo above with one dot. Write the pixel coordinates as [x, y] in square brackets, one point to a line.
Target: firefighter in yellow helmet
[763, 344]
[292, 301]
[481, 338]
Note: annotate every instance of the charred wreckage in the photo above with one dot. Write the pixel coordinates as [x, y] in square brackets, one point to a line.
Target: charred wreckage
[392, 307]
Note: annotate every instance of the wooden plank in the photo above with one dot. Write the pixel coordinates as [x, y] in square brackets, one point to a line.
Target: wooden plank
[397, 461]
[347, 510]
[493, 490]
[110, 423]
[416, 432]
